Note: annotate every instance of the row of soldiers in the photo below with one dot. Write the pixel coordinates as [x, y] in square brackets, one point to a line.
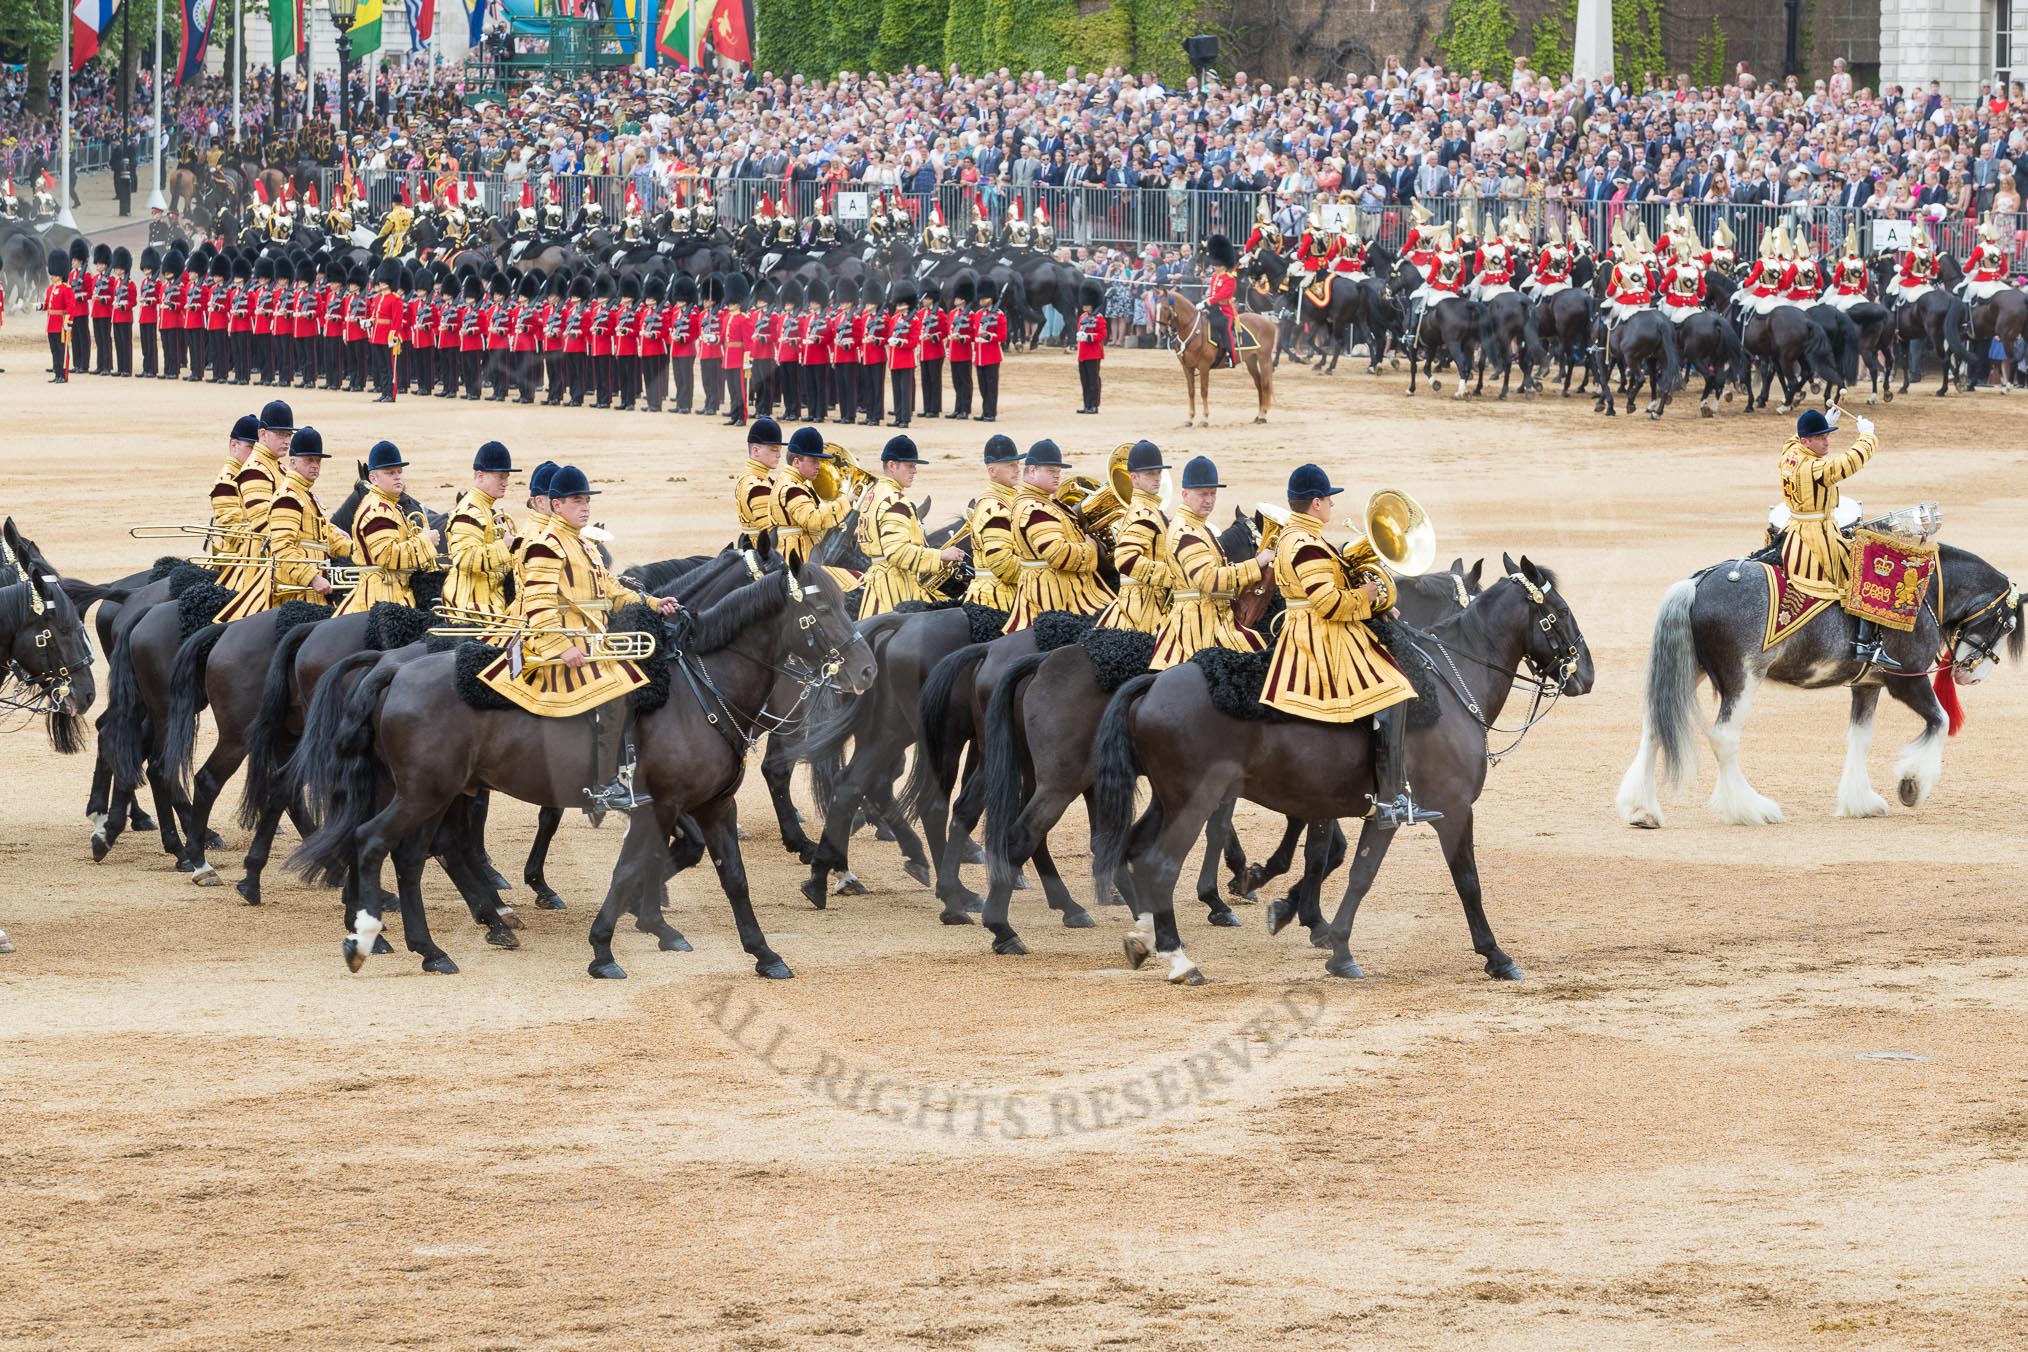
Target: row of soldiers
[539, 587]
[1031, 554]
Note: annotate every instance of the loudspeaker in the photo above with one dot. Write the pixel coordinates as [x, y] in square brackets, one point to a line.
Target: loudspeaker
[1202, 50]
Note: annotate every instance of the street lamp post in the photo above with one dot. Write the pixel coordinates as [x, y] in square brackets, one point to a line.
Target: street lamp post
[343, 12]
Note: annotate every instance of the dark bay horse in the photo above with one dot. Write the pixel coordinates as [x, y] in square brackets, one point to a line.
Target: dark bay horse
[1167, 728]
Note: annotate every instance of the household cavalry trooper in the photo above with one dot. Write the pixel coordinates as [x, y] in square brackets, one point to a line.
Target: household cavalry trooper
[299, 540]
[802, 518]
[388, 544]
[753, 492]
[1327, 665]
[482, 539]
[546, 671]
[1141, 549]
[1059, 560]
[996, 564]
[902, 563]
[1200, 609]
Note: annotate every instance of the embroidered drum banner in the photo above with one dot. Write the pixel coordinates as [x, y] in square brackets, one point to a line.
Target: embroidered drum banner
[1890, 577]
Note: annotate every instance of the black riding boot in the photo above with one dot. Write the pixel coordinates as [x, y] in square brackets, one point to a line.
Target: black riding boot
[1868, 648]
[1391, 803]
[612, 762]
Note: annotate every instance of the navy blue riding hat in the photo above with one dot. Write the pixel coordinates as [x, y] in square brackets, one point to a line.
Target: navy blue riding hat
[1201, 473]
[1813, 424]
[493, 458]
[569, 482]
[277, 416]
[1045, 453]
[248, 428]
[1308, 482]
[1000, 449]
[808, 441]
[384, 455]
[538, 482]
[900, 448]
[764, 432]
[307, 443]
[1145, 455]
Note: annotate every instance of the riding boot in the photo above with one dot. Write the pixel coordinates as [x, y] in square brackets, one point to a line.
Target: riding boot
[612, 762]
[1868, 649]
[1392, 806]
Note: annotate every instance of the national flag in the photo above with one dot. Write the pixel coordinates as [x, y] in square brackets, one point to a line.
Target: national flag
[285, 19]
[422, 22]
[88, 19]
[677, 42]
[197, 17]
[365, 29]
[475, 22]
[729, 36]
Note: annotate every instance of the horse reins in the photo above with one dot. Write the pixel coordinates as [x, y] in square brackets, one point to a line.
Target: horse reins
[1545, 690]
[741, 735]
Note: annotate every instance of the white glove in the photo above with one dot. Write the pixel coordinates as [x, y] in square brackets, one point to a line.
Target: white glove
[1832, 414]
[1865, 426]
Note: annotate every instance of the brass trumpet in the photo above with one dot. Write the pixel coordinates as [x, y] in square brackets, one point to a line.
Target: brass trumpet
[840, 474]
[934, 583]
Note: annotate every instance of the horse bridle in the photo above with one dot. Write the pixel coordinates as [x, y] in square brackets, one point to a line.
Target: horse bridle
[810, 677]
[1549, 673]
[52, 686]
[2008, 607]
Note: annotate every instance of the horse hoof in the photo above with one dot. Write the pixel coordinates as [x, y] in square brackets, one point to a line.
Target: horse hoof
[204, 875]
[440, 965]
[1280, 912]
[1503, 968]
[248, 891]
[1010, 946]
[1909, 792]
[1320, 937]
[1706, 411]
[497, 881]
[1345, 967]
[509, 917]
[213, 841]
[882, 831]
[1872, 399]
[1077, 917]
[185, 866]
[1021, 883]
[501, 937]
[773, 968]
[848, 885]
[141, 821]
[1189, 976]
[549, 901]
[1137, 950]
[354, 959]
[1225, 920]
[919, 871]
[381, 947]
[970, 901]
[950, 917]
[972, 853]
[607, 971]
[673, 942]
[813, 892]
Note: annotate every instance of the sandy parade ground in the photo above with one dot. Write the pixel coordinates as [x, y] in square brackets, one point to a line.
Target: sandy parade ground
[1761, 1087]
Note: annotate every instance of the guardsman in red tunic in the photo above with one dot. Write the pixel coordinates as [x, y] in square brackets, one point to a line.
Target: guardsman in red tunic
[738, 348]
[386, 311]
[358, 328]
[1917, 272]
[472, 332]
[169, 314]
[555, 307]
[957, 322]
[450, 349]
[331, 325]
[148, 307]
[1986, 269]
[125, 295]
[654, 345]
[789, 348]
[261, 317]
[627, 343]
[502, 319]
[682, 324]
[870, 335]
[576, 339]
[56, 304]
[1849, 278]
[422, 330]
[1419, 248]
[1315, 253]
[218, 298]
[99, 305]
[711, 344]
[989, 336]
[930, 356]
[1683, 287]
[1091, 341]
[80, 282]
[239, 312]
[847, 333]
[904, 340]
[1218, 298]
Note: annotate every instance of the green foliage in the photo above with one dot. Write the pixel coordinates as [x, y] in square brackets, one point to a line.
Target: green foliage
[28, 28]
[910, 31]
[1554, 53]
[1478, 35]
[1709, 68]
[816, 39]
[1637, 40]
[965, 35]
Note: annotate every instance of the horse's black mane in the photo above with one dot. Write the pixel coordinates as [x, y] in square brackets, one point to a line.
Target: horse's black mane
[726, 621]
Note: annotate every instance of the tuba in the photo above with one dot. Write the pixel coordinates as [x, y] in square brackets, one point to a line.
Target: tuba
[1101, 505]
[840, 474]
[1400, 540]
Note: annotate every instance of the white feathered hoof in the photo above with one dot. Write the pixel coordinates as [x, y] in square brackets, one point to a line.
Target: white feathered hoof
[1861, 803]
[366, 928]
[1873, 398]
[1920, 769]
[1781, 408]
[1744, 807]
[1460, 391]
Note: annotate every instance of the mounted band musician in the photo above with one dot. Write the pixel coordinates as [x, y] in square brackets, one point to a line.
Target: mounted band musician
[1327, 664]
[1059, 559]
[229, 533]
[901, 562]
[566, 597]
[1141, 549]
[753, 492]
[1815, 553]
[996, 562]
[1200, 608]
[482, 539]
[802, 518]
[300, 543]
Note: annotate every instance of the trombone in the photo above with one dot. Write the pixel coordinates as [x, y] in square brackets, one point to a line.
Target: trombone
[175, 532]
[627, 645]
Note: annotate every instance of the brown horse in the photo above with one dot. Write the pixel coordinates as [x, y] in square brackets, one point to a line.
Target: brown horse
[1191, 328]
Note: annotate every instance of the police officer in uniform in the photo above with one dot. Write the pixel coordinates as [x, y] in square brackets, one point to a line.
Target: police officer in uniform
[1200, 608]
[390, 544]
[1059, 561]
[1327, 665]
[901, 560]
[1141, 549]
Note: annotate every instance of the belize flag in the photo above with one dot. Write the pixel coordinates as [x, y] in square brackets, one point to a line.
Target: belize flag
[88, 19]
[197, 17]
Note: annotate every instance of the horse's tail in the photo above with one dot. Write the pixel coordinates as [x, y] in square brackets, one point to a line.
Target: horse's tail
[334, 760]
[934, 741]
[1492, 351]
[85, 595]
[1672, 360]
[187, 699]
[123, 726]
[1004, 797]
[1956, 323]
[1672, 687]
[1114, 771]
[267, 751]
